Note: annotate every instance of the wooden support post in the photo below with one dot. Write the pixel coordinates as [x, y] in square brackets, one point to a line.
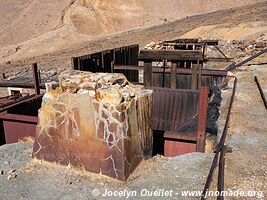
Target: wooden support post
[173, 75]
[4, 75]
[202, 118]
[163, 75]
[35, 79]
[72, 63]
[79, 63]
[194, 77]
[148, 74]
[200, 66]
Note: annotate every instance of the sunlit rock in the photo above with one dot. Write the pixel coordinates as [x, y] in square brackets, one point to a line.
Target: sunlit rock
[96, 121]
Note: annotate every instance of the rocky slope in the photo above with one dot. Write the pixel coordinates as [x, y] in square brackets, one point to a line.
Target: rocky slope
[31, 28]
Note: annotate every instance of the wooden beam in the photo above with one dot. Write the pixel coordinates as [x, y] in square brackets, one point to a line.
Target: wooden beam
[194, 77]
[148, 74]
[183, 71]
[173, 75]
[171, 55]
[200, 66]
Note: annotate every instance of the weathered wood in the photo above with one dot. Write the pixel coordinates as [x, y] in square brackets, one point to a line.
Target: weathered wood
[148, 74]
[194, 77]
[171, 55]
[200, 66]
[173, 75]
[182, 71]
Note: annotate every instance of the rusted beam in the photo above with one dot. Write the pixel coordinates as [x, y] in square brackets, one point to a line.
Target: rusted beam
[236, 65]
[35, 79]
[220, 145]
[202, 118]
[220, 185]
[261, 92]
[31, 98]
[21, 118]
[171, 55]
[183, 71]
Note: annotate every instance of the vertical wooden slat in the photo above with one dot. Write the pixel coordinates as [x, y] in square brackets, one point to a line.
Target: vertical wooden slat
[148, 73]
[194, 77]
[173, 75]
[202, 118]
[35, 79]
[200, 66]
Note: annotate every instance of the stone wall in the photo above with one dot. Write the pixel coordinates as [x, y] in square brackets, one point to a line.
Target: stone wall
[99, 122]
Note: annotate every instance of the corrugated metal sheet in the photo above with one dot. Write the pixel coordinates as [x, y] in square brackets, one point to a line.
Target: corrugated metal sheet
[172, 108]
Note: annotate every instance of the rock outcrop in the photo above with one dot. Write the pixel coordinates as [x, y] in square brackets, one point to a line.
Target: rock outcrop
[96, 121]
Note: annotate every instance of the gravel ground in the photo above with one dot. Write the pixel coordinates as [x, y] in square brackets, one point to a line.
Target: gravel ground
[40, 180]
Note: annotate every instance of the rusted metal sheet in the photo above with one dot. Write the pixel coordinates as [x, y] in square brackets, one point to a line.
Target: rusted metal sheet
[19, 119]
[189, 135]
[174, 148]
[172, 108]
[16, 129]
[202, 118]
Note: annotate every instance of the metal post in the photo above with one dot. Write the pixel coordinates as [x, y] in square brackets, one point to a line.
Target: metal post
[202, 118]
[261, 92]
[35, 79]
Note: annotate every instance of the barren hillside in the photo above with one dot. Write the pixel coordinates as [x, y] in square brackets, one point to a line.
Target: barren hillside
[32, 28]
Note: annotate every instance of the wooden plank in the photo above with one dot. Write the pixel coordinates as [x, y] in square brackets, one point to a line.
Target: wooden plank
[219, 59]
[199, 84]
[183, 71]
[148, 74]
[194, 77]
[171, 55]
[173, 75]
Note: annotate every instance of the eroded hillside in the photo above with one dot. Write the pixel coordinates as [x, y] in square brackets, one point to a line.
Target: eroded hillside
[31, 28]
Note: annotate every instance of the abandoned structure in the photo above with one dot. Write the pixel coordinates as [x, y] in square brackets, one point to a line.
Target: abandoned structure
[103, 122]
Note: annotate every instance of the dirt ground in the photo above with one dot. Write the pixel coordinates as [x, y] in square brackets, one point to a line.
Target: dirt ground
[36, 180]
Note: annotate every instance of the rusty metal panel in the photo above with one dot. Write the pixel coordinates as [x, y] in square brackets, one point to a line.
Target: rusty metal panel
[171, 108]
[175, 148]
[14, 130]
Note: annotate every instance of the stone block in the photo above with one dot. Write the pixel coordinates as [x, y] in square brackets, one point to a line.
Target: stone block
[96, 121]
